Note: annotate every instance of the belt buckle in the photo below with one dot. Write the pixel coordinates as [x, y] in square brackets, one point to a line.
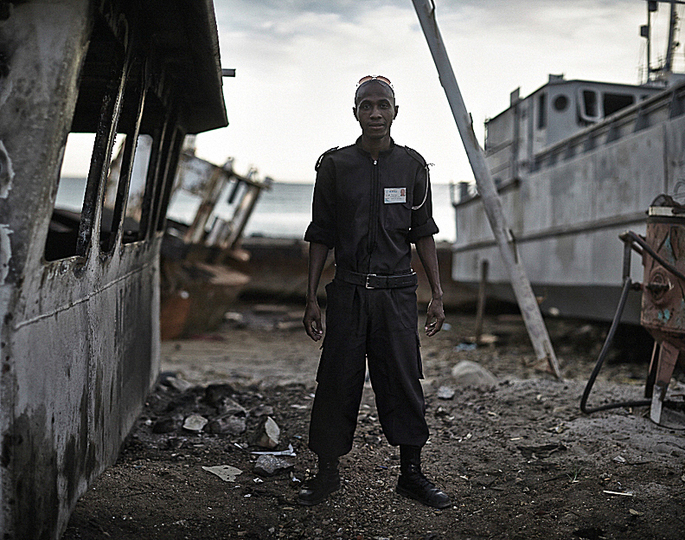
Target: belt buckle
[368, 285]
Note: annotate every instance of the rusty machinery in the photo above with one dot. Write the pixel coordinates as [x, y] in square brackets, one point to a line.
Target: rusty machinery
[663, 305]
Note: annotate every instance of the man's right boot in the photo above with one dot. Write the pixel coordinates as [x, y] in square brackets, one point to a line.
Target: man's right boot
[326, 481]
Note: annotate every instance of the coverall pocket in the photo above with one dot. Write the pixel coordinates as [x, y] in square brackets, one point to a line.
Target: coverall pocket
[397, 216]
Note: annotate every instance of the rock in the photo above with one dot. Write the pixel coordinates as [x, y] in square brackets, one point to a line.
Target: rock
[195, 423]
[271, 465]
[229, 407]
[445, 392]
[167, 424]
[178, 384]
[262, 410]
[227, 423]
[467, 373]
[217, 393]
[267, 433]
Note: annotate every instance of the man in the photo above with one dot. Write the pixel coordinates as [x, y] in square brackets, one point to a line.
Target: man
[371, 201]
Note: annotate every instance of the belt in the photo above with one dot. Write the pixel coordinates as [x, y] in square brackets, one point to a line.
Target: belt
[375, 281]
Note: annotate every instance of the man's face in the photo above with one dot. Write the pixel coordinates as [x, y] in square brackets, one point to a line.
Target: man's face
[375, 109]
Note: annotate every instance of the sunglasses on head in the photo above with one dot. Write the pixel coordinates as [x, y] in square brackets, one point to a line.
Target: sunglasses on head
[379, 78]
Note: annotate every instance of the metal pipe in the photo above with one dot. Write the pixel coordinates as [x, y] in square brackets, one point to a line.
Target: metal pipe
[486, 186]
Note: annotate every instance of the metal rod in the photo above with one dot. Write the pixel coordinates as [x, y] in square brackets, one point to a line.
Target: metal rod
[486, 186]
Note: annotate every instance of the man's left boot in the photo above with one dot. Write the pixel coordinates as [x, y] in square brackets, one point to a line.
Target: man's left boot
[413, 484]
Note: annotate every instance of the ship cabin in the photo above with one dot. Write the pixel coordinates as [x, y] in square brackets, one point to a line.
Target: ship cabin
[79, 274]
[515, 139]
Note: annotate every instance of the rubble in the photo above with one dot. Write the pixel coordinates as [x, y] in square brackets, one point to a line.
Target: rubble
[468, 373]
[268, 465]
[267, 433]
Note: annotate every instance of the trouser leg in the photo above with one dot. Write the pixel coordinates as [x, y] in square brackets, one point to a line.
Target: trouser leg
[395, 368]
[340, 375]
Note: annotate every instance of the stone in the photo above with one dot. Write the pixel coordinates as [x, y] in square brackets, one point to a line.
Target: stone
[216, 393]
[167, 424]
[181, 385]
[267, 465]
[445, 392]
[262, 410]
[468, 373]
[267, 434]
[195, 423]
[228, 406]
[227, 424]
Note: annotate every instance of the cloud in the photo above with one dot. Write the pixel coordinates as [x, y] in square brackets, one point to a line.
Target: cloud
[298, 61]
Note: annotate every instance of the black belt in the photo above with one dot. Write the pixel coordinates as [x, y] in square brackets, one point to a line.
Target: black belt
[375, 281]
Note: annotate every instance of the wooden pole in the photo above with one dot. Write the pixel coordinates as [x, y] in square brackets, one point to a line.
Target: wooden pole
[523, 291]
[480, 308]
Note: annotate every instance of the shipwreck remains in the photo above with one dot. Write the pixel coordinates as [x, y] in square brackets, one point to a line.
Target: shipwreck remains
[79, 290]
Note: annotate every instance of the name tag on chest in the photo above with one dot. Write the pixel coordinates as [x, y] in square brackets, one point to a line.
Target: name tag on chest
[394, 195]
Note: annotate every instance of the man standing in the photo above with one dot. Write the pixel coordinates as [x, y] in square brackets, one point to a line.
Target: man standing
[371, 201]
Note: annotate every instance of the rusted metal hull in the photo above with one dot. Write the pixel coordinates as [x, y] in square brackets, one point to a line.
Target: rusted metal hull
[566, 213]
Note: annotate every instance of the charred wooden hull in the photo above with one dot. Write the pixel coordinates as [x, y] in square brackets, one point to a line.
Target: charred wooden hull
[79, 294]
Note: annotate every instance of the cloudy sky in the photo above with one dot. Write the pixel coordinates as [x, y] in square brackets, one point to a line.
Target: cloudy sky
[297, 63]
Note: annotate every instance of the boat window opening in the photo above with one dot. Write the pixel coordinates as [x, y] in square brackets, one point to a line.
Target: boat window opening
[542, 111]
[83, 153]
[588, 107]
[590, 103]
[616, 102]
[136, 191]
[560, 103]
[71, 191]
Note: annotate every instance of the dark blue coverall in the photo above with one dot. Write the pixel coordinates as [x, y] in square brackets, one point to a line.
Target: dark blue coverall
[369, 212]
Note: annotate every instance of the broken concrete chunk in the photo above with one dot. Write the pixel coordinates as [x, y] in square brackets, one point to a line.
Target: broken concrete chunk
[167, 424]
[262, 410]
[227, 424]
[267, 465]
[467, 373]
[267, 434]
[195, 423]
[181, 385]
[216, 393]
[445, 392]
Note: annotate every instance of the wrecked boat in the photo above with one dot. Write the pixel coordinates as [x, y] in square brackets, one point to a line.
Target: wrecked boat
[576, 164]
[79, 290]
[202, 259]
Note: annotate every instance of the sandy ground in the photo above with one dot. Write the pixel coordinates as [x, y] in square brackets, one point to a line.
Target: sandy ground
[519, 459]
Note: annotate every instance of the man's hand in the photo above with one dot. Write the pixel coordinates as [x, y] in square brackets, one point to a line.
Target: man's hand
[312, 320]
[435, 316]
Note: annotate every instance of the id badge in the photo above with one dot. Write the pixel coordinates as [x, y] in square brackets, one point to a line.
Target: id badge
[395, 195]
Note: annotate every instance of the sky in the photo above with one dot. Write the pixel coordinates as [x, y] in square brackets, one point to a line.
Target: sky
[297, 63]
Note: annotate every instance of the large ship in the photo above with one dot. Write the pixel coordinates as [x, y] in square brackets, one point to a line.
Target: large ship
[576, 164]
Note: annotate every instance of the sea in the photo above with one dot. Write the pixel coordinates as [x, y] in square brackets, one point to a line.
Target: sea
[284, 211]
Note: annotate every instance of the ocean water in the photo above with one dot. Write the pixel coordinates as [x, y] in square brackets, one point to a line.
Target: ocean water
[282, 212]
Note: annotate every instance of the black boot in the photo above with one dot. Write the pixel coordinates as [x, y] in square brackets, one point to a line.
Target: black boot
[413, 484]
[326, 481]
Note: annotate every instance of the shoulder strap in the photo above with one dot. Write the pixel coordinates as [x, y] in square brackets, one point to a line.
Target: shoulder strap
[322, 156]
[415, 155]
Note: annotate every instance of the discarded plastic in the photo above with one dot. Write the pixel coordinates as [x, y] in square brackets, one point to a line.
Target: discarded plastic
[225, 472]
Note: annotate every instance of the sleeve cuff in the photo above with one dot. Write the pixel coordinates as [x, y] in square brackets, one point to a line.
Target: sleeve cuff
[427, 229]
[318, 235]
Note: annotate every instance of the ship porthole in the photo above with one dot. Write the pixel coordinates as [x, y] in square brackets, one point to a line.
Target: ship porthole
[560, 103]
